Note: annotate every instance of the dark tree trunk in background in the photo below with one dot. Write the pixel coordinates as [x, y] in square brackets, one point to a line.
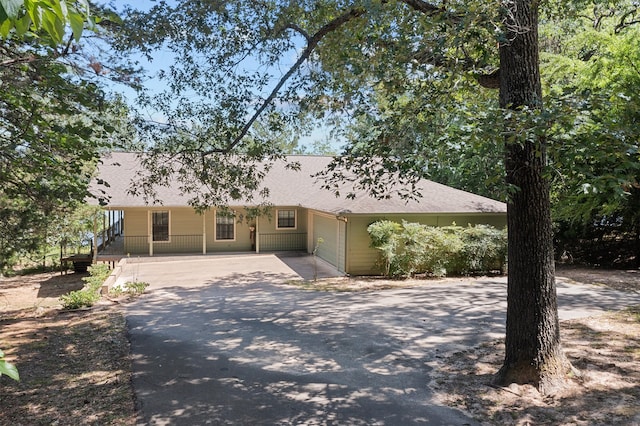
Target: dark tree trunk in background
[533, 353]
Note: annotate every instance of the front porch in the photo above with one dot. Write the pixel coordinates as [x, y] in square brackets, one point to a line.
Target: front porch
[120, 246]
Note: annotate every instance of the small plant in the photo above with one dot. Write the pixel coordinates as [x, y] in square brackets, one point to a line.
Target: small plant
[90, 294]
[132, 288]
[8, 369]
[135, 288]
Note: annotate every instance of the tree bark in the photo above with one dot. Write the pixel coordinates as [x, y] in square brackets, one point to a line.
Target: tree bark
[533, 354]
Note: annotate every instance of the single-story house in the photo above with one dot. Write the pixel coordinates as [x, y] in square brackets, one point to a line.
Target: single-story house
[300, 215]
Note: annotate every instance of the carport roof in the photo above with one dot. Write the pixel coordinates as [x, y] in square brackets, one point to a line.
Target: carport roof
[289, 187]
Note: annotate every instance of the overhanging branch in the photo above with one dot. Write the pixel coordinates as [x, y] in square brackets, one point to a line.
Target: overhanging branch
[312, 43]
[423, 6]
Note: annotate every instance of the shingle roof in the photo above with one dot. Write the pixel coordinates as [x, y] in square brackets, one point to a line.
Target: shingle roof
[296, 188]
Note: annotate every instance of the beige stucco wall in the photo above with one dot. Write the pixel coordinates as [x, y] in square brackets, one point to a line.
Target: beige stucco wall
[361, 259]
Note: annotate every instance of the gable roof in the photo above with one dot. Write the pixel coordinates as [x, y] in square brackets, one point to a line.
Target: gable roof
[296, 188]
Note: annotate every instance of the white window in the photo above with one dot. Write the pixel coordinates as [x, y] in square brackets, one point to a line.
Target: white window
[286, 219]
[160, 226]
[225, 226]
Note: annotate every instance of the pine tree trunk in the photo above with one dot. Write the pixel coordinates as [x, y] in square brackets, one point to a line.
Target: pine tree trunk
[533, 353]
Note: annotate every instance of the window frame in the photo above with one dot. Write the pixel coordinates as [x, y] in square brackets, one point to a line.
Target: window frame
[231, 215]
[153, 234]
[295, 219]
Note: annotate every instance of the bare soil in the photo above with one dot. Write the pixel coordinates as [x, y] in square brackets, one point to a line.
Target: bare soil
[75, 366]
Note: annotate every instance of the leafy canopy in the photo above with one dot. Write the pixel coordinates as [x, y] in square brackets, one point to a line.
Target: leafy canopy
[56, 118]
[48, 18]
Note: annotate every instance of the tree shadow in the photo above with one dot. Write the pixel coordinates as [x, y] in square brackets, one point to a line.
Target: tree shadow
[59, 285]
[241, 351]
[74, 369]
[607, 390]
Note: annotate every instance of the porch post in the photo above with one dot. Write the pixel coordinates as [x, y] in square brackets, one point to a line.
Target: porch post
[112, 225]
[204, 232]
[104, 229]
[149, 233]
[258, 234]
[95, 239]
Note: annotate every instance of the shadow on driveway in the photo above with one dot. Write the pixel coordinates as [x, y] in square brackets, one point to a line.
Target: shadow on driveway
[245, 348]
[242, 351]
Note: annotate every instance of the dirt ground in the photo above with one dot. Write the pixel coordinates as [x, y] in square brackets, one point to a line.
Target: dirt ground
[605, 351]
[75, 366]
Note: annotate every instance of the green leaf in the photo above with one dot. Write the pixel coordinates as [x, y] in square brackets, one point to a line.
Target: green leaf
[10, 8]
[5, 27]
[9, 369]
[77, 25]
[22, 25]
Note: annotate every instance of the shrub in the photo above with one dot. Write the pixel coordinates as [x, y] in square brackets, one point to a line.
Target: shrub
[485, 249]
[90, 294]
[79, 298]
[384, 237]
[412, 248]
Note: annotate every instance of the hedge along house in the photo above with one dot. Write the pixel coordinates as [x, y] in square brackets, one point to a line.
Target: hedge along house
[300, 215]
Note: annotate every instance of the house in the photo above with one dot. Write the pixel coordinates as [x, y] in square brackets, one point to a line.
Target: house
[300, 215]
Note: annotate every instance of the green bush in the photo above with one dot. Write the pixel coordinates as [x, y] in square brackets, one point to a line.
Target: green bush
[411, 248]
[90, 294]
[132, 288]
[485, 249]
[384, 237]
[79, 298]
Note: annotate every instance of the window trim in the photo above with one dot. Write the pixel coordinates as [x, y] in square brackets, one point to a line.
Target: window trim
[168, 240]
[215, 227]
[295, 220]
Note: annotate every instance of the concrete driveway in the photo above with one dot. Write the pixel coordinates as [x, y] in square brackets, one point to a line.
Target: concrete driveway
[212, 345]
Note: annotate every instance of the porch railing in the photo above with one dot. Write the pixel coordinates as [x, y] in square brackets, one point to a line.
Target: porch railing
[139, 244]
[178, 244]
[283, 241]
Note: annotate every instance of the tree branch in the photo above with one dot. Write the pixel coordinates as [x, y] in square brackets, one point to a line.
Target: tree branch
[298, 29]
[15, 61]
[623, 20]
[423, 6]
[312, 43]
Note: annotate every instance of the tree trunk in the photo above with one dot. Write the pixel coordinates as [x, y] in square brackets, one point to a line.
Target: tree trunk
[533, 354]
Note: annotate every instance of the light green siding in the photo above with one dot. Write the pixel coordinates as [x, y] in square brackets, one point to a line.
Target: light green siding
[341, 246]
[241, 241]
[136, 231]
[185, 221]
[362, 259]
[272, 238]
[135, 222]
[327, 229]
